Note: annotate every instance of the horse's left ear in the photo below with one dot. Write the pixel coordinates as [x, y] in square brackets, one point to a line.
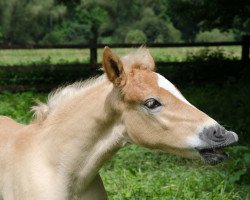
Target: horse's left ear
[113, 67]
[149, 60]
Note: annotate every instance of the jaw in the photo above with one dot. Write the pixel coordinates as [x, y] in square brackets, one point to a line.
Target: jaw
[213, 156]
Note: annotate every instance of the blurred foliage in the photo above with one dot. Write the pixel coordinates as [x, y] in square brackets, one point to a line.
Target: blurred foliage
[192, 16]
[52, 75]
[1, 35]
[85, 21]
[207, 65]
[207, 54]
[136, 36]
[215, 35]
[18, 105]
[28, 21]
[239, 165]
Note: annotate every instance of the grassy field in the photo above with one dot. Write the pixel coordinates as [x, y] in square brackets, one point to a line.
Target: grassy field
[26, 57]
[136, 173]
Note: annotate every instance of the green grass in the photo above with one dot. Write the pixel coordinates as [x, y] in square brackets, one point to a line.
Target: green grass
[55, 56]
[18, 105]
[135, 173]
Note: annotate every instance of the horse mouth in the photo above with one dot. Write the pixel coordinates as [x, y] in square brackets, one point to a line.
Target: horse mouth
[215, 139]
[213, 156]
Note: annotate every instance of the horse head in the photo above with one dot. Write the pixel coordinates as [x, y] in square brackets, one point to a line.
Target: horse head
[155, 113]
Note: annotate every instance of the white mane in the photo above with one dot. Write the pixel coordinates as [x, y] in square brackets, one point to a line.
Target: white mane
[42, 110]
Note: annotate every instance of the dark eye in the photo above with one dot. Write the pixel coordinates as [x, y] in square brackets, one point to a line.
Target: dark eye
[152, 103]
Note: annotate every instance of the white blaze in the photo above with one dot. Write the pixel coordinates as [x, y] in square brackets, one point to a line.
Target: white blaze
[167, 85]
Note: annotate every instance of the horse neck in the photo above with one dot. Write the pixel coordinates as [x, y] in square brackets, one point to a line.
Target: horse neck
[84, 132]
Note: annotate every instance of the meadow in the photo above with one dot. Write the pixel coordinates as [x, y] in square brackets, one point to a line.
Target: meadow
[55, 56]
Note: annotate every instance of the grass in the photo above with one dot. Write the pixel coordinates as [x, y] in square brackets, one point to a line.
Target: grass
[18, 105]
[137, 173]
[26, 57]
[55, 56]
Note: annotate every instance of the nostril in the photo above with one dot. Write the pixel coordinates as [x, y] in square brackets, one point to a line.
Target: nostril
[218, 134]
[215, 134]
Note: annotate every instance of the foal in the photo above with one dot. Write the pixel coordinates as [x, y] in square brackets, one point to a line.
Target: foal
[58, 155]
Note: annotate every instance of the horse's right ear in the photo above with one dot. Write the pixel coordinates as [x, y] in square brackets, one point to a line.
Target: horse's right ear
[113, 68]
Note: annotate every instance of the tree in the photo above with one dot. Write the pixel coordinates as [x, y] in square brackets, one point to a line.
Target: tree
[25, 21]
[190, 16]
[214, 35]
[135, 36]
[85, 22]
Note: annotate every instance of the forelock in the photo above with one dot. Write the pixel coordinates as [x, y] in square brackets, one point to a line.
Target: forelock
[141, 58]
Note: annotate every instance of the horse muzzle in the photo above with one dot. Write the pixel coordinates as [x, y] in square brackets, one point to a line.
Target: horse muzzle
[214, 139]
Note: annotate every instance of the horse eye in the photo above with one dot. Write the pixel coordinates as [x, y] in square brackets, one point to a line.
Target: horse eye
[152, 103]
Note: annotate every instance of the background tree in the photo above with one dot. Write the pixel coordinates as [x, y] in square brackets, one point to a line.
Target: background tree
[25, 21]
[135, 36]
[214, 35]
[190, 16]
[110, 21]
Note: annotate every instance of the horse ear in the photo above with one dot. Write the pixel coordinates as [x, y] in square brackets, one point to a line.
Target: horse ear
[149, 59]
[113, 67]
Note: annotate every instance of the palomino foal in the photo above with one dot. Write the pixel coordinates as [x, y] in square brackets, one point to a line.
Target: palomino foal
[59, 154]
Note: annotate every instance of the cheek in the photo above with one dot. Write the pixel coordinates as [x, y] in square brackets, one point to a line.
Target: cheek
[141, 130]
[147, 131]
[158, 132]
[175, 135]
[179, 125]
